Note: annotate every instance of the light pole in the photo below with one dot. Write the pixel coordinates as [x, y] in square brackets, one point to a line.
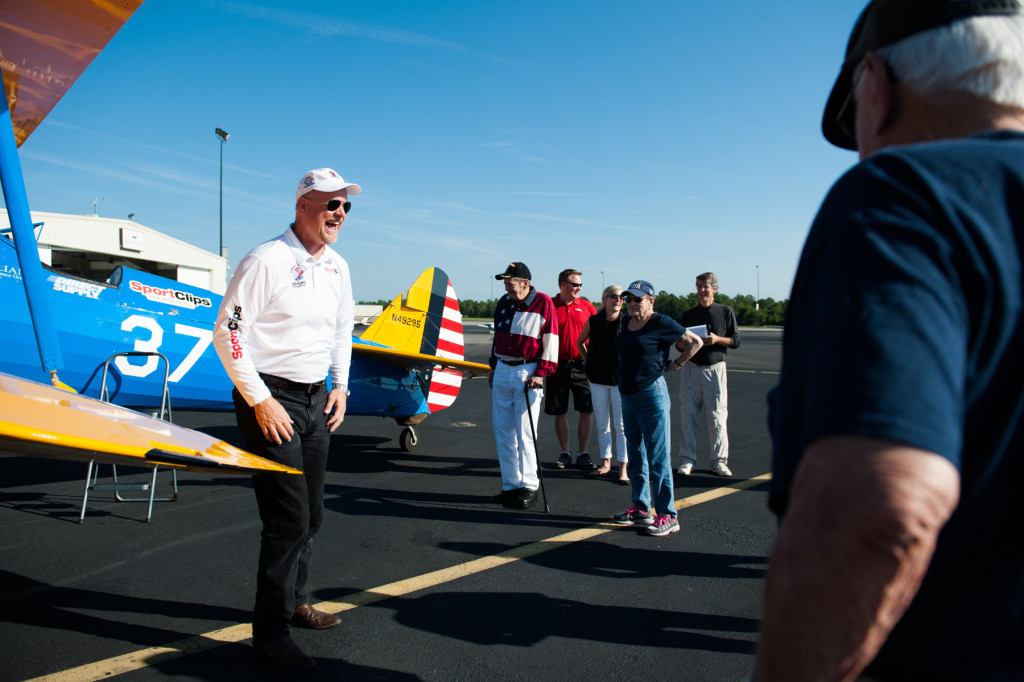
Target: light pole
[223, 135]
[757, 303]
[602, 282]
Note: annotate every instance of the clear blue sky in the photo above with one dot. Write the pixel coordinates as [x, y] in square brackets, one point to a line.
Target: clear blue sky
[655, 139]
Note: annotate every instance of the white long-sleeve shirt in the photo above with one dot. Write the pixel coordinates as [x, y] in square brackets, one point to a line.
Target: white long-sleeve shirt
[287, 314]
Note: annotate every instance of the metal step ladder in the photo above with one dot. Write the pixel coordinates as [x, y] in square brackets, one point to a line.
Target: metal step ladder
[92, 474]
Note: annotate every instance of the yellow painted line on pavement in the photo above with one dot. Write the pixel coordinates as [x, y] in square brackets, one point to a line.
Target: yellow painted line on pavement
[137, 660]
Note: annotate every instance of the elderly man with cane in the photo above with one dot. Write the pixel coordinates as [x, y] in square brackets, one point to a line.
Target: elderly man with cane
[524, 351]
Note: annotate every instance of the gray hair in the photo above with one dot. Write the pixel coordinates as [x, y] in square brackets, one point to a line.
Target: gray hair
[709, 279]
[981, 56]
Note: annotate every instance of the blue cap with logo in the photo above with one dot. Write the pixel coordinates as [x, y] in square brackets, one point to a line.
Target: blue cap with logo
[640, 288]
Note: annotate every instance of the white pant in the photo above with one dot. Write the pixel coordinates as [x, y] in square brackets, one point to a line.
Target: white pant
[704, 388]
[608, 413]
[513, 438]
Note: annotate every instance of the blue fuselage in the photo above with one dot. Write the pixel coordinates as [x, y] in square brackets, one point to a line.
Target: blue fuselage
[137, 311]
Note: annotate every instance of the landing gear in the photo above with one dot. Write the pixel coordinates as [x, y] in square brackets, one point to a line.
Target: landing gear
[408, 439]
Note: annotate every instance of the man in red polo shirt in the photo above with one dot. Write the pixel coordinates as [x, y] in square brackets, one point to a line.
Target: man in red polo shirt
[572, 312]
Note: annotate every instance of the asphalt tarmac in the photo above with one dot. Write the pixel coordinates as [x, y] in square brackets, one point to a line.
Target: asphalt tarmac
[431, 580]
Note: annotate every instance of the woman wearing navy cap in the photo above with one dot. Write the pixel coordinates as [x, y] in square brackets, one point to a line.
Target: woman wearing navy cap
[643, 343]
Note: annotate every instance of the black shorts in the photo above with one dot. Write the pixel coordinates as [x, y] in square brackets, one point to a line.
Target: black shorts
[569, 375]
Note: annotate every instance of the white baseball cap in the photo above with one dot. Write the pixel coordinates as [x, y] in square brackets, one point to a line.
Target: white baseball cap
[325, 180]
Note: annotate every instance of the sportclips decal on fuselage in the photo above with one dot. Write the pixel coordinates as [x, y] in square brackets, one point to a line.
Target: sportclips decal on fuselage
[74, 286]
[182, 299]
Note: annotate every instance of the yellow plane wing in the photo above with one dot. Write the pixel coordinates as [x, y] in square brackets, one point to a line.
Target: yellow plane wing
[43, 421]
[412, 360]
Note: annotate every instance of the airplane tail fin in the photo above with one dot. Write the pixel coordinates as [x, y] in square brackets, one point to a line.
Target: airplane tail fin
[429, 322]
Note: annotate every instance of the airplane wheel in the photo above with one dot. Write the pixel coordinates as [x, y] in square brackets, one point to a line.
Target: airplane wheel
[408, 439]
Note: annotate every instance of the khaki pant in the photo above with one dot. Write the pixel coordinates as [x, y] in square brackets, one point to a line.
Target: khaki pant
[704, 388]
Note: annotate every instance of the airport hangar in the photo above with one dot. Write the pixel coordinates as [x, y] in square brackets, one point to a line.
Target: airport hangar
[92, 247]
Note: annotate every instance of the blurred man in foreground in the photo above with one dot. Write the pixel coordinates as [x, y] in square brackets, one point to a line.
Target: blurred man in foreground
[898, 441]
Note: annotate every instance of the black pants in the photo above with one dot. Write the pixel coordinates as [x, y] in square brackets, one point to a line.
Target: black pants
[291, 506]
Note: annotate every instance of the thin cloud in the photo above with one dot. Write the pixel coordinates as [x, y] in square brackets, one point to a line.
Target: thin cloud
[587, 223]
[759, 178]
[319, 25]
[546, 194]
[513, 150]
[153, 177]
[106, 171]
[162, 150]
[457, 206]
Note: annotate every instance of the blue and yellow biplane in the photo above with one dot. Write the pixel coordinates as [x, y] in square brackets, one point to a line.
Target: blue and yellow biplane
[129, 337]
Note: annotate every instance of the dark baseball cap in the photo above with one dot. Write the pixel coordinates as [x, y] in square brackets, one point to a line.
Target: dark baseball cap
[882, 23]
[640, 288]
[515, 270]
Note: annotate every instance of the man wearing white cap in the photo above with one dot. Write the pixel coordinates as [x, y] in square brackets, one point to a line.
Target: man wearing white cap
[285, 323]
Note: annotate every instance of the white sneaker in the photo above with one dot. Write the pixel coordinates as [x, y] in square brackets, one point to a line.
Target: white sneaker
[685, 468]
[720, 468]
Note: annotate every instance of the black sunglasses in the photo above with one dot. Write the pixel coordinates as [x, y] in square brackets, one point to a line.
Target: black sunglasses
[632, 299]
[574, 285]
[333, 205]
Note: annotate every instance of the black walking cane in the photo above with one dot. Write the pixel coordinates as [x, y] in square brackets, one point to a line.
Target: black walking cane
[536, 450]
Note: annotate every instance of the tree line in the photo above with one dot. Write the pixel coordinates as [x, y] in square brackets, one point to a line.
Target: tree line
[772, 313]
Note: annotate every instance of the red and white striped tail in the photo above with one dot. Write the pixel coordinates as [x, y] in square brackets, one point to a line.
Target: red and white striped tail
[445, 383]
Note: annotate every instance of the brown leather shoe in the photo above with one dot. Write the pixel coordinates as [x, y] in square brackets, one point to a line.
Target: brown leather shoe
[306, 616]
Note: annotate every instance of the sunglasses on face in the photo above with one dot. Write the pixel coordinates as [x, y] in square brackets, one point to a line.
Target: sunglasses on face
[631, 299]
[333, 205]
[574, 285]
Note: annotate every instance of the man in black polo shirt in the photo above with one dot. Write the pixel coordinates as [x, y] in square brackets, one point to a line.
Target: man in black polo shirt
[703, 384]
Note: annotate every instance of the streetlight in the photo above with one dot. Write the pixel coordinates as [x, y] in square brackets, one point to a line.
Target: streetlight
[757, 303]
[223, 135]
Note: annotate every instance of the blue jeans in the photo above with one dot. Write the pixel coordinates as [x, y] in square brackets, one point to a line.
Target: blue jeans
[646, 419]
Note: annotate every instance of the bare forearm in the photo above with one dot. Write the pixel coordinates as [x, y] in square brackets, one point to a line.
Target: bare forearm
[688, 345]
[844, 570]
[581, 340]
